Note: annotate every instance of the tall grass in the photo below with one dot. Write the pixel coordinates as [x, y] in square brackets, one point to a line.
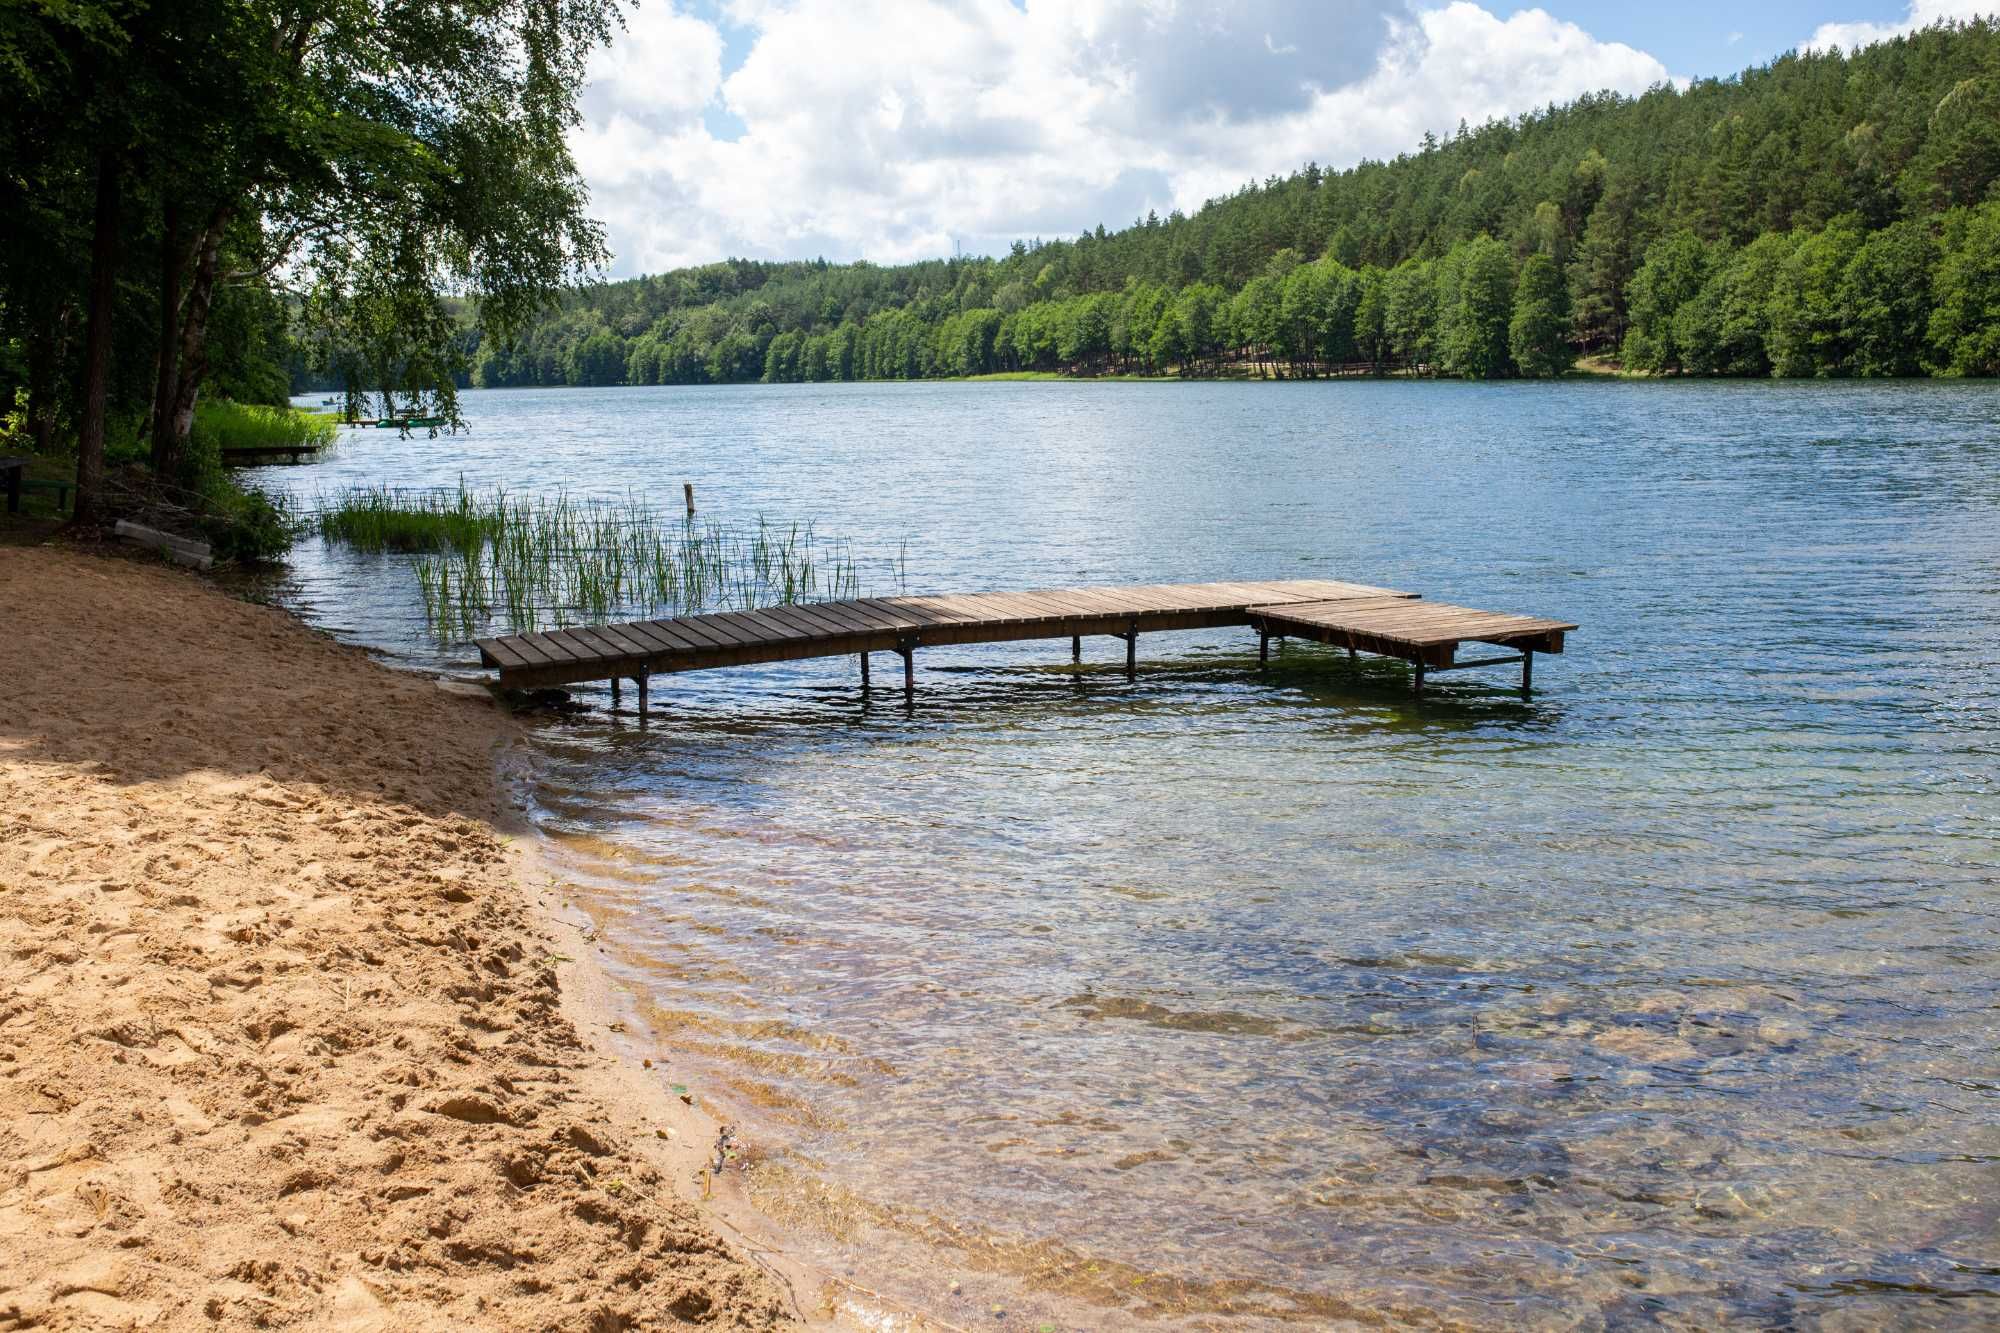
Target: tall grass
[221, 424]
[491, 561]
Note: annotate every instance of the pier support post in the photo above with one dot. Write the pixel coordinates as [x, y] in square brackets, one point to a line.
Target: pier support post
[907, 649]
[1263, 650]
[1417, 684]
[864, 673]
[1076, 648]
[1132, 650]
[643, 680]
[1527, 670]
[614, 694]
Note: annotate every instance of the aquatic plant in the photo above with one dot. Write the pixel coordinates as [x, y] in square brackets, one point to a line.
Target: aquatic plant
[221, 424]
[485, 561]
[377, 518]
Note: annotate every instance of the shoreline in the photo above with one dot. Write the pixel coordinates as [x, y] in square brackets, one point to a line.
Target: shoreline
[300, 1031]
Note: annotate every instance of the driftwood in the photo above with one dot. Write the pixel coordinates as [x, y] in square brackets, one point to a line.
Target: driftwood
[180, 550]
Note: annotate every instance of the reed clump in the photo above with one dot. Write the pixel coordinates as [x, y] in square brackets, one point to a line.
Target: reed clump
[378, 518]
[220, 424]
[488, 561]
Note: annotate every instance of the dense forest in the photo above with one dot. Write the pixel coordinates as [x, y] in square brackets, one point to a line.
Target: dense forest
[205, 196]
[1828, 214]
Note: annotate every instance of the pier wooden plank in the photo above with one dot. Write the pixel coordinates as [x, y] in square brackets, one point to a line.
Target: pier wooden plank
[555, 652]
[599, 642]
[1427, 632]
[902, 617]
[705, 635]
[776, 631]
[1358, 615]
[641, 632]
[500, 652]
[675, 633]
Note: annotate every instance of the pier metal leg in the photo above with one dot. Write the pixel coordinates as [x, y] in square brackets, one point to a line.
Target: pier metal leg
[614, 694]
[643, 680]
[1417, 684]
[1132, 650]
[1527, 670]
[1076, 647]
[909, 672]
[1263, 651]
[864, 673]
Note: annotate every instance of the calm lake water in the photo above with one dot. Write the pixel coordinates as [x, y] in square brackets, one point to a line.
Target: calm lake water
[1672, 994]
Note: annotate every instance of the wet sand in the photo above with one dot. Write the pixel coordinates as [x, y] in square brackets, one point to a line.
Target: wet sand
[292, 1031]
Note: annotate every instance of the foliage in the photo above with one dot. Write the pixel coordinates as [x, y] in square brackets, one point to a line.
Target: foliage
[1965, 324]
[221, 424]
[486, 560]
[246, 525]
[1536, 335]
[1674, 221]
[378, 518]
[189, 182]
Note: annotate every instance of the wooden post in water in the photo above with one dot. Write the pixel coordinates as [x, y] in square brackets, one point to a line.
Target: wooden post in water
[909, 652]
[642, 680]
[687, 489]
[1076, 647]
[1417, 683]
[864, 673]
[1263, 650]
[614, 694]
[1131, 650]
[1527, 670]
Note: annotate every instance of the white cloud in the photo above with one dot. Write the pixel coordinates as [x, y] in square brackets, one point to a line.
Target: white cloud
[1922, 14]
[890, 128]
[664, 63]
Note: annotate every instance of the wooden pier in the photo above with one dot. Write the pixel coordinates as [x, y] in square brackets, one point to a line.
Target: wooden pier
[257, 455]
[1355, 616]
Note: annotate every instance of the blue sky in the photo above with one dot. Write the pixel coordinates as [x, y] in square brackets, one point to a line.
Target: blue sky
[1700, 38]
[900, 129]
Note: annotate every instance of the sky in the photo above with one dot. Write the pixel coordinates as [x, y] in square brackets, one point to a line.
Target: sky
[894, 130]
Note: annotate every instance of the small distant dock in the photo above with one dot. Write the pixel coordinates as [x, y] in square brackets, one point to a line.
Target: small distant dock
[258, 455]
[1355, 616]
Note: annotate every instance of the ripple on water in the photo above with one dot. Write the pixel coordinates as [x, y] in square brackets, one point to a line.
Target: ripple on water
[1667, 995]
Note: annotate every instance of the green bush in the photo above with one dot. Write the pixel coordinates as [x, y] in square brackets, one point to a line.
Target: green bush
[244, 525]
[221, 424]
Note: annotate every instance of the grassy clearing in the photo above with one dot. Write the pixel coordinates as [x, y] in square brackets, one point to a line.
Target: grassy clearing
[220, 424]
[493, 561]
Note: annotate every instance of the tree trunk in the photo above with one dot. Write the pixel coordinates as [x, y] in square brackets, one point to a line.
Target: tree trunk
[166, 456]
[97, 341]
[46, 356]
[194, 332]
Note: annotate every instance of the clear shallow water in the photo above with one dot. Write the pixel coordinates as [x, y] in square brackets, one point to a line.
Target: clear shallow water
[1671, 994]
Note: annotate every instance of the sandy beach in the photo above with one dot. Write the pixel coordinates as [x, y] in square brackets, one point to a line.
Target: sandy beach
[286, 1037]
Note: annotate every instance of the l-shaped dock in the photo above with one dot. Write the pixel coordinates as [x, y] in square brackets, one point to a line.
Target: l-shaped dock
[1355, 616]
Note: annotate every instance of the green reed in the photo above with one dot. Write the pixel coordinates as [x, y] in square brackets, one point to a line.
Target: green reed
[492, 561]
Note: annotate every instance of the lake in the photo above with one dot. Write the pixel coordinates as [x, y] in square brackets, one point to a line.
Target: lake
[1671, 993]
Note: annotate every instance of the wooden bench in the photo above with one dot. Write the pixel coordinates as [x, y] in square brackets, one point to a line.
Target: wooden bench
[59, 488]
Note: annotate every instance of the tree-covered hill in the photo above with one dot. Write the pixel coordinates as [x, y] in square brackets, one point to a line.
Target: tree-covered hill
[1827, 214]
